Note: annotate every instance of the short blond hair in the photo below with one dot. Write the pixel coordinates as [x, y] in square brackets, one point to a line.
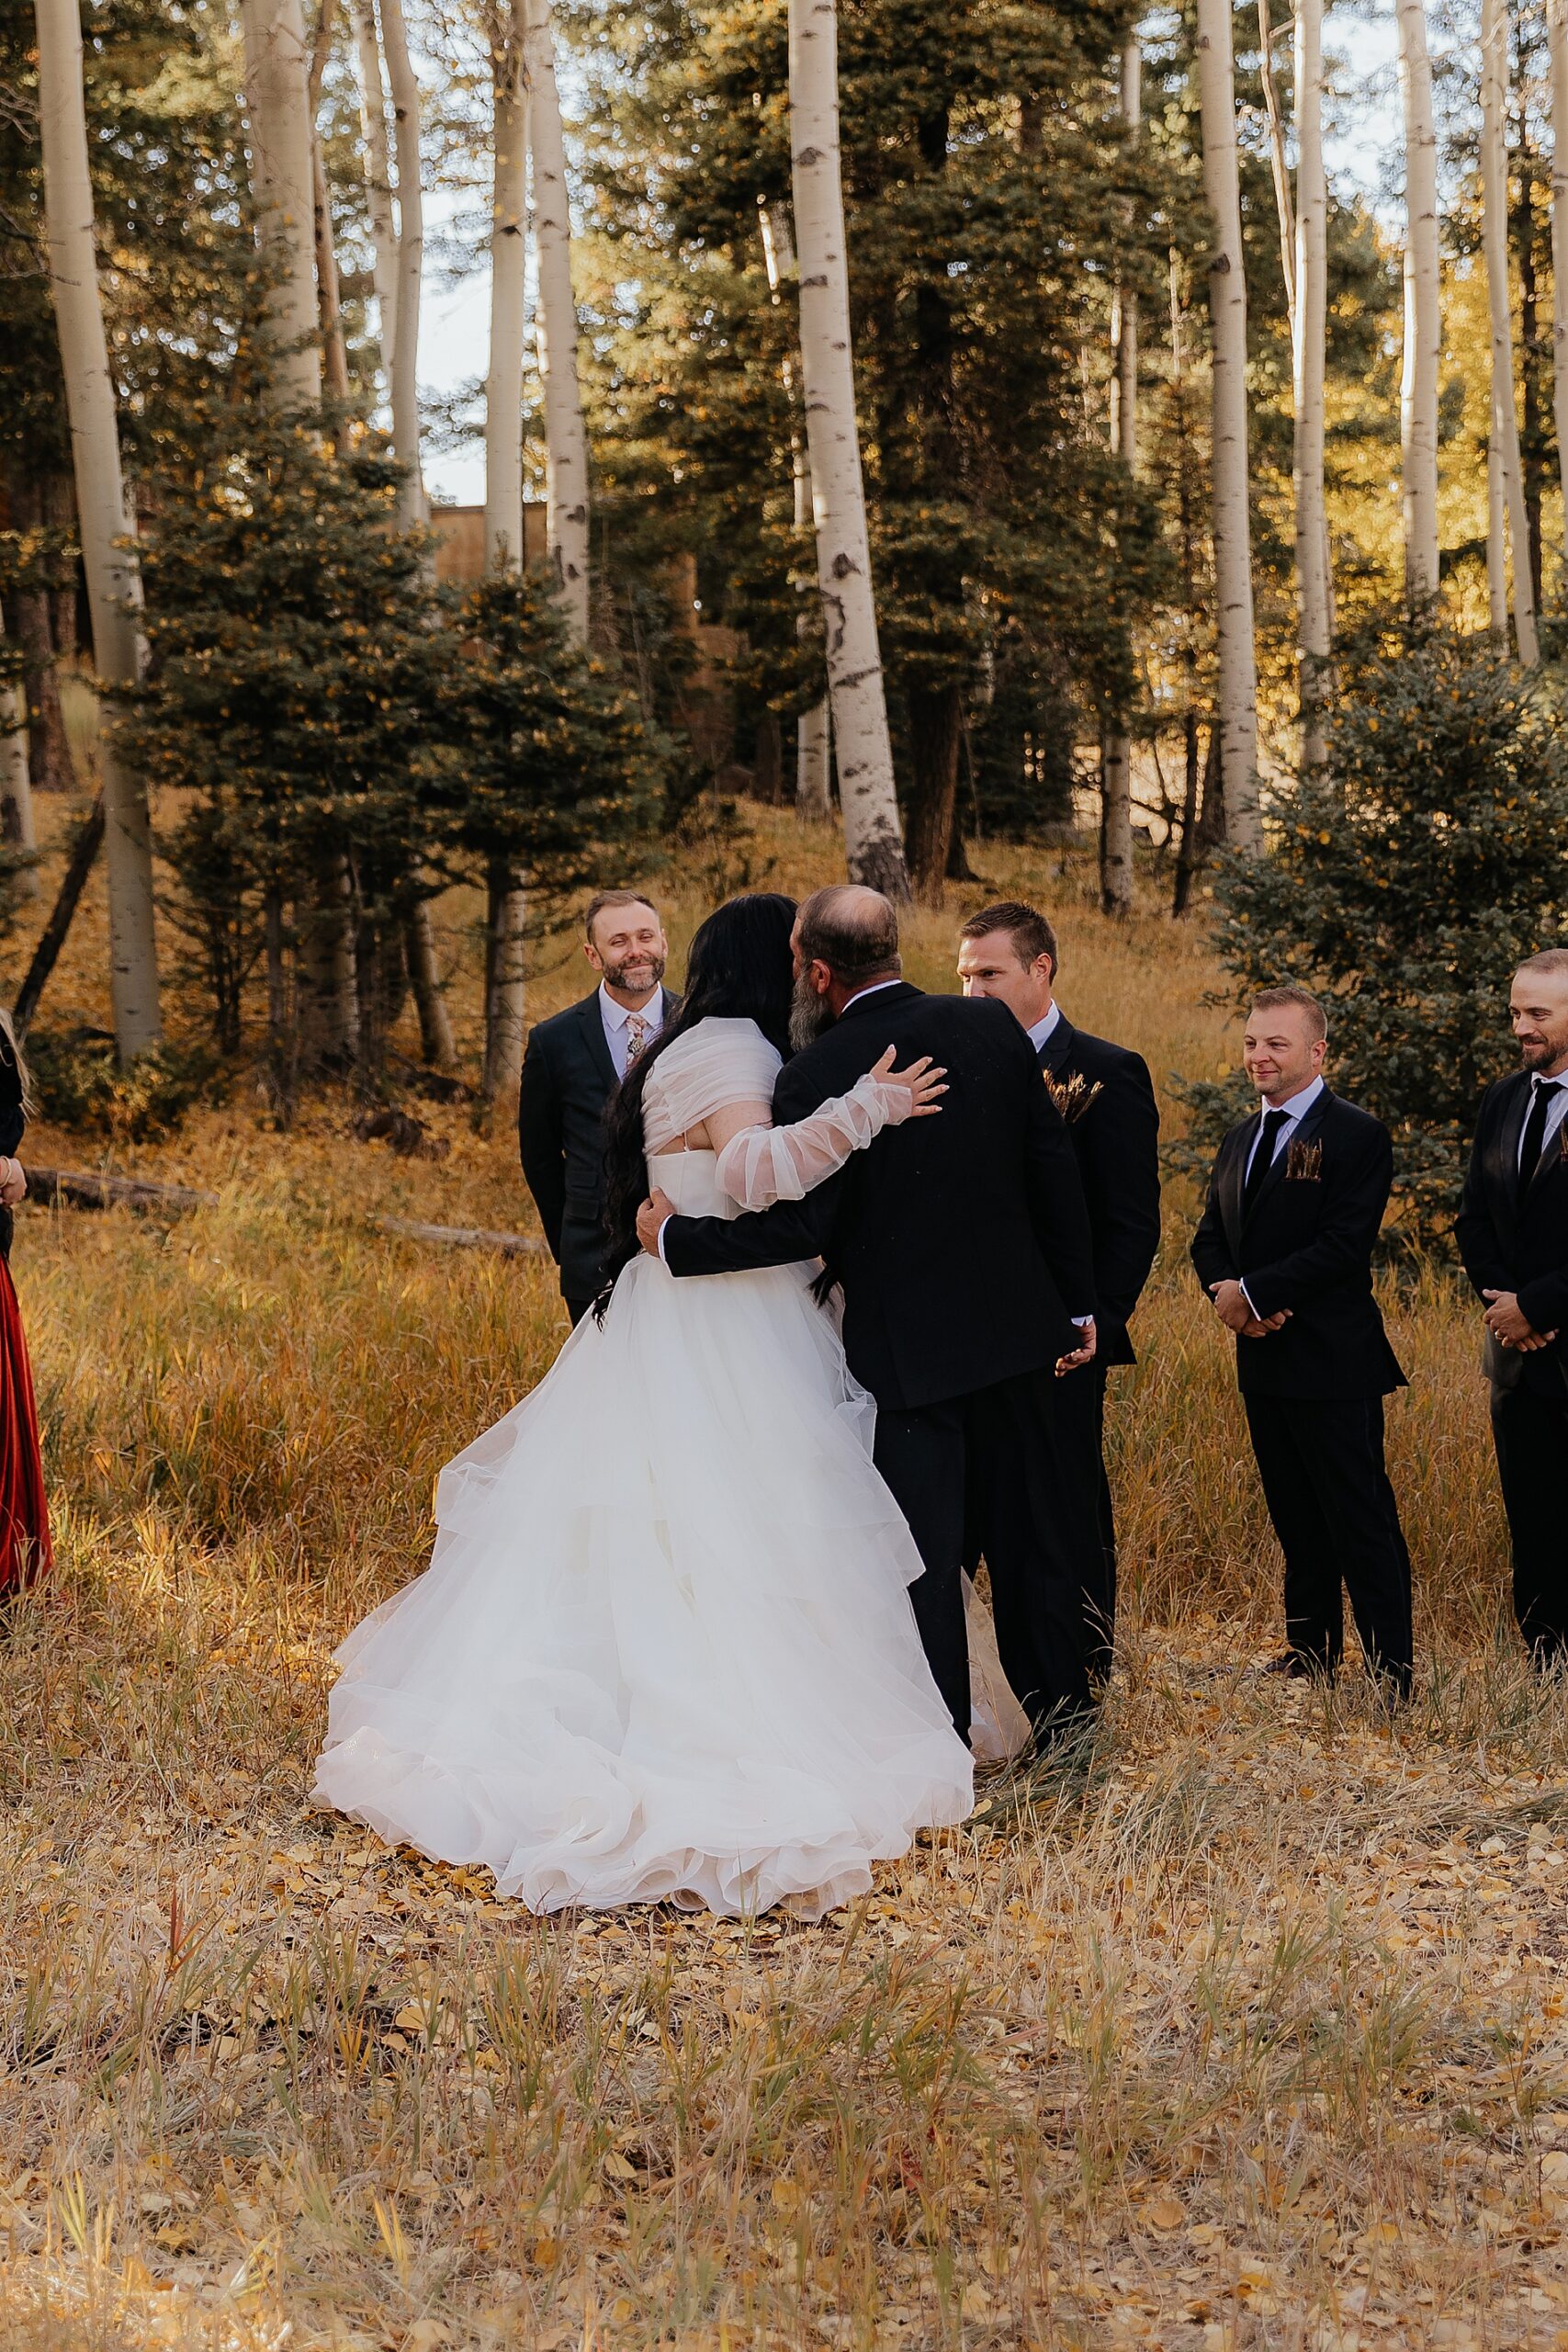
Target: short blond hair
[605, 901]
[1291, 993]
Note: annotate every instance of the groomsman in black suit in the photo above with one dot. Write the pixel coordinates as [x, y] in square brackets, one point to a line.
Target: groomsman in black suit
[574, 1062]
[1513, 1236]
[1284, 1250]
[1105, 1094]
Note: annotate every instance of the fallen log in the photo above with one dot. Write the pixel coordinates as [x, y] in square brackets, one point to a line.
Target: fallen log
[465, 1237]
[78, 1190]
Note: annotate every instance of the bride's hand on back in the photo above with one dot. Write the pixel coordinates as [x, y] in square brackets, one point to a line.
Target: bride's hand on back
[922, 1081]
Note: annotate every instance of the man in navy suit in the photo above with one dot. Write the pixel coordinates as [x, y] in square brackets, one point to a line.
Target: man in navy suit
[1513, 1236]
[1105, 1094]
[574, 1063]
[1284, 1250]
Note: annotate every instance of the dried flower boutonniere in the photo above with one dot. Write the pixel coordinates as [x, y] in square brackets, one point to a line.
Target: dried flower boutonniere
[1071, 1095]
[1304, 1164]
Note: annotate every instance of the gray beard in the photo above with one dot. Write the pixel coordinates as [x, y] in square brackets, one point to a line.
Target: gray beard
[810, 1016]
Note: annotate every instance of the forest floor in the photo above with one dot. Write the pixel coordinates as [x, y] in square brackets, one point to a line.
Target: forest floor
[1256, 2035]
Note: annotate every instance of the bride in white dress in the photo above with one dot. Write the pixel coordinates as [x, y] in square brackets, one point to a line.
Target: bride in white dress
[664, 1650]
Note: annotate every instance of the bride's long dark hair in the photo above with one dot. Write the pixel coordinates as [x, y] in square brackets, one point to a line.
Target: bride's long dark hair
[740, 969]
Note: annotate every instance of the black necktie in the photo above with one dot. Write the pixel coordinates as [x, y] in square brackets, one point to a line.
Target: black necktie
[1263, 1157]
[1534, 1141]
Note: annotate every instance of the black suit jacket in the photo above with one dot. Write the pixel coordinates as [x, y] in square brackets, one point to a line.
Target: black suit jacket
[567, 1079]
[1515, 1238]
[13, 1126]
[962, 1241]
[1306, 1244]
[1116, 1144]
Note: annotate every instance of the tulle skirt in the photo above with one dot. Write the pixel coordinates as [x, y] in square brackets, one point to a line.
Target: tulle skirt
[664, 1650]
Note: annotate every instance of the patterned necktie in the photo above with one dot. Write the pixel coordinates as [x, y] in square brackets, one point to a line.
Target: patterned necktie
[1263, 1157]
[637, 1037]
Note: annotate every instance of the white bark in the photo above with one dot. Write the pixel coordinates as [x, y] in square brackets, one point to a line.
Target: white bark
[1314, 630]
[378, 177]
[1504, 435]
[813, 794]
[18, 828]
[566, 440]
[1236, 717]
[873, 842]
[1423, 307]
[1284, 206]
[103, 521]
[508, 261]
[411, 262]
[1496, 537]
[505, 1002]
[329, 290]
[1557, 36]
[278, 103]
[1116, 755]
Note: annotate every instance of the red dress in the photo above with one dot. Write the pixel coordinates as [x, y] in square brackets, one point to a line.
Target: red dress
[26, 1553]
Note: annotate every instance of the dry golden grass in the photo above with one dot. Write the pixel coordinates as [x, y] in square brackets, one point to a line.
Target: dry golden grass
[1256, 2036]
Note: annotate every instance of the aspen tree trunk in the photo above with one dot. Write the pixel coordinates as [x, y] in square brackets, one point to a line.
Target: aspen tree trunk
[378, 177]
[329, 292]
[505, 1007]
[1557, 35]
[1497, 534]
[1310, 330]
[813, 797]
[277, 103]
[411, 263]
[103, 520]
[1284, 206]
[1116, 753]
[17, 826]
[873, 844]
[1236, 717]
[1504, 435]
[566, 441]
[1423, 307]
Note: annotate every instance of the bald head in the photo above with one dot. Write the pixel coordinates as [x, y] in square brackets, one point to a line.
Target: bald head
[850, 930]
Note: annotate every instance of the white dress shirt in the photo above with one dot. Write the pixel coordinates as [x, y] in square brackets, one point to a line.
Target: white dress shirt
[615, 1017]
[1045, 1027]
[1556, 1109]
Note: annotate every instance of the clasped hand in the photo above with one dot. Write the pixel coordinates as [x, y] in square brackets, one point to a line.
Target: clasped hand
[1511, 1328]
[1234, 1311]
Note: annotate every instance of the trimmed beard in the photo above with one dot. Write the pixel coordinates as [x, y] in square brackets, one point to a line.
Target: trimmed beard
[614, 974]
[809, 1014]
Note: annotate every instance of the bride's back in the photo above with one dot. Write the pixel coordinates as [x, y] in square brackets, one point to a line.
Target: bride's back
[705, 1069]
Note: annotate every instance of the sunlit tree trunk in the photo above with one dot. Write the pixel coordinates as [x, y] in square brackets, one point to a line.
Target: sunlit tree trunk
[277, 103]
[873, 844]
[1557, 33]
[17, 826]
[1116, 753]
[813, 797]
[1237, 685]
[1423, 307]
[1505, 433]
[103, 521]
[378, 177]
[328, 293]
[566, 438]
[410, 261]
[1310, 332]
[506, 908]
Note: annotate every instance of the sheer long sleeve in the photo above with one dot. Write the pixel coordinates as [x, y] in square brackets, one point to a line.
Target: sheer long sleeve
[762, 1165]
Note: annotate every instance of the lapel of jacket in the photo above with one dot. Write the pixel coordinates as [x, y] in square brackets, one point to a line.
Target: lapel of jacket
[1305, 1130]
[1057, 1050]
[1229, 1175]
[1549, 1163]
[594, 1038]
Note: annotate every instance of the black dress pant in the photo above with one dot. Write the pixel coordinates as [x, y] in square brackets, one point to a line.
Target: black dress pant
[577, 1308]
[1103, 1614]
[1011, 1469]
[1530, 1433]
[1321, 1460]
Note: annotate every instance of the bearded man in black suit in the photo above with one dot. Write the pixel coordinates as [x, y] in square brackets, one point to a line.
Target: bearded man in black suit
[1105, 1094]
[574, 1063]
[1513, 1236]
[962, 1247]
[1284, 1249]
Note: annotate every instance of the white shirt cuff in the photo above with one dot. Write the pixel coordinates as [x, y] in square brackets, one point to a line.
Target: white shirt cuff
[662, 1259]
[1248, 1295]
[1082, 1321]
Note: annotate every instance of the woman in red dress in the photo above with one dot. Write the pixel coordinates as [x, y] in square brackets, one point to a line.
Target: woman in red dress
[25, 1550]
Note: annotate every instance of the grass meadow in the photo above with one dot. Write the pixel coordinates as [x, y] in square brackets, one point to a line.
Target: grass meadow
[1256, 2037]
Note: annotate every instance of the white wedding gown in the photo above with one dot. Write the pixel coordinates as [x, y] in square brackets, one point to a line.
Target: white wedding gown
[664, 1649]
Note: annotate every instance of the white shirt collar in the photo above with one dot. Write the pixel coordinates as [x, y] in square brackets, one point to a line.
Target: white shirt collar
[616, 1015]
[1296, 1106]
[1046, 1026]
[875, 988]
